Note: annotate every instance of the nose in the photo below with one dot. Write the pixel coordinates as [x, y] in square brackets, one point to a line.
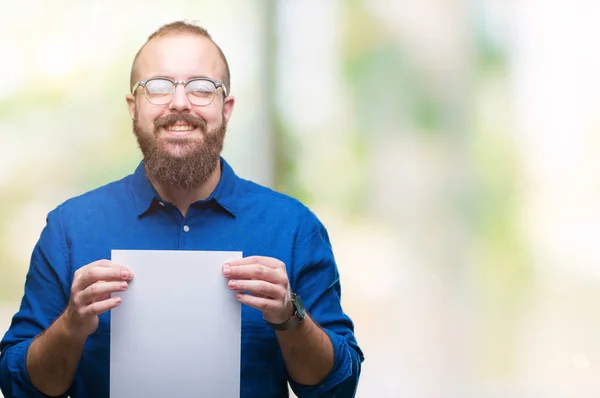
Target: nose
[180, 101]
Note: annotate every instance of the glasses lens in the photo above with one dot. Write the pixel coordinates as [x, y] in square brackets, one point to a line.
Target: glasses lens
[159, 91]
[201, 92]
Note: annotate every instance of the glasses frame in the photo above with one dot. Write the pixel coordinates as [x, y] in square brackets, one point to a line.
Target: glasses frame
[142, 83]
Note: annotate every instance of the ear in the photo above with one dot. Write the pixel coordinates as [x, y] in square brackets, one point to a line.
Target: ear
[228, 104]
[131, 105]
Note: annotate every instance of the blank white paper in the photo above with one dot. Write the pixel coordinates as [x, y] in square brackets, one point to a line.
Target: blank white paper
[177, 332]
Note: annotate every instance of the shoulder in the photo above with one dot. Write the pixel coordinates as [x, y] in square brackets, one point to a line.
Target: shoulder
[251, 191]
[96, 202]
[101, 196]
[257, 198]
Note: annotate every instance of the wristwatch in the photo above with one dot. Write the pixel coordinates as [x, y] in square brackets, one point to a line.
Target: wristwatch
[296, 319]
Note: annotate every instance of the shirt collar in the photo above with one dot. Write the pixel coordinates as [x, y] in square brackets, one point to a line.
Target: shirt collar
[145, 195]
[225, 191]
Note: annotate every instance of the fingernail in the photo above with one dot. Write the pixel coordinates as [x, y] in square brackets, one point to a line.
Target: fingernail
[232, 285]
[124, 285]
[239, 296]
[226, 270]
[126, 274]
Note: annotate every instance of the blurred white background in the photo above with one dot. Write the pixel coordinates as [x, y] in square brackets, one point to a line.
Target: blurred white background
[451, 147]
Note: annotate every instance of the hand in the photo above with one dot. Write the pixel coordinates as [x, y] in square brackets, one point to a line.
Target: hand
[91, 294]
[265, 278]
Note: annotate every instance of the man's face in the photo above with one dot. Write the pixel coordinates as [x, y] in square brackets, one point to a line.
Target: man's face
[181, 142]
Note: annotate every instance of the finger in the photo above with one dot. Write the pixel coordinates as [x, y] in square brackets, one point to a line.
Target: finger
[99, 263]
[268, 261]
[105, 263]
[100, 307]
[255, 271]
[101, 273]
[99, 291]
[260, 303]
[102, 296]
[259, 288]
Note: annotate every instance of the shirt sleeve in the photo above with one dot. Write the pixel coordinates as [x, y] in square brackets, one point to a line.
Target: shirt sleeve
[47, 290]
[315, 278]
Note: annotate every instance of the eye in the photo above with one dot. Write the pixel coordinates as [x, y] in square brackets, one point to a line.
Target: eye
[201, 88]
[159, 87]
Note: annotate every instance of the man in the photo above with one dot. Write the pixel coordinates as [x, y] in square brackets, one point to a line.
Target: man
[182, 196]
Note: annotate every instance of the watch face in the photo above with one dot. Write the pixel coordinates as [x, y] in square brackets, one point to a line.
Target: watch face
[299, 306]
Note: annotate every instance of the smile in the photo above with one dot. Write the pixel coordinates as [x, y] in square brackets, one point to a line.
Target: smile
[178, 128]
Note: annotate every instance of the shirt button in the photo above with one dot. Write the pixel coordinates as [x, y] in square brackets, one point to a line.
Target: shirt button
[186, 228]
[162, 204]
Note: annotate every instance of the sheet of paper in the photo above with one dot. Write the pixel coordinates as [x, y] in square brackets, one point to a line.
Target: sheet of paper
[177, 332]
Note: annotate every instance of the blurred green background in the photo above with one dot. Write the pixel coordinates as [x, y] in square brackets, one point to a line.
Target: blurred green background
[450, 147]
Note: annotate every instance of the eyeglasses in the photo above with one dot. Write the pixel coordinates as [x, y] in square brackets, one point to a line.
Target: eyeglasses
[161, 90]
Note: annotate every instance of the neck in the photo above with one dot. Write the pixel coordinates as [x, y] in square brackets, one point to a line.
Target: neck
[183, 198]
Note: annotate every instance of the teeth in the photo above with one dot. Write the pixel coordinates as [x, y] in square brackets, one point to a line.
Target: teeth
[180, 128]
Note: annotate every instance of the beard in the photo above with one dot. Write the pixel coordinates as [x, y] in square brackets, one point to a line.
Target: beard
[196, 159]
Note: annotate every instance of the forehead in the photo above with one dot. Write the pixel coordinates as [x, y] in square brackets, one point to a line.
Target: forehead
[180, 57]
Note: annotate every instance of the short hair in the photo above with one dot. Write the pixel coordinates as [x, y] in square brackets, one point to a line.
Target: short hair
[175, 28]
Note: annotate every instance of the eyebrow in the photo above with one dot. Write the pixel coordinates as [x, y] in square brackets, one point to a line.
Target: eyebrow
[172, 78]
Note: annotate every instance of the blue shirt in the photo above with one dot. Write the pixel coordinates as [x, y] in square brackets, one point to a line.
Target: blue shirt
[238, 216]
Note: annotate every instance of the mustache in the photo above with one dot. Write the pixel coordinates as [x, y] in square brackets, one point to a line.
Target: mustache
[173, 118]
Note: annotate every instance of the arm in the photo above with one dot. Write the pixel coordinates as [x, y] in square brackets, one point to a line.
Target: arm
[306, 344]
[322, 357]
[45, 297]
[53, 357]
[40, 360]
[314, 276]
[306, 349]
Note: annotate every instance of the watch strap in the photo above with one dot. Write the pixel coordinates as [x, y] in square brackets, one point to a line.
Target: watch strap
[295, 320]
[291, 323]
